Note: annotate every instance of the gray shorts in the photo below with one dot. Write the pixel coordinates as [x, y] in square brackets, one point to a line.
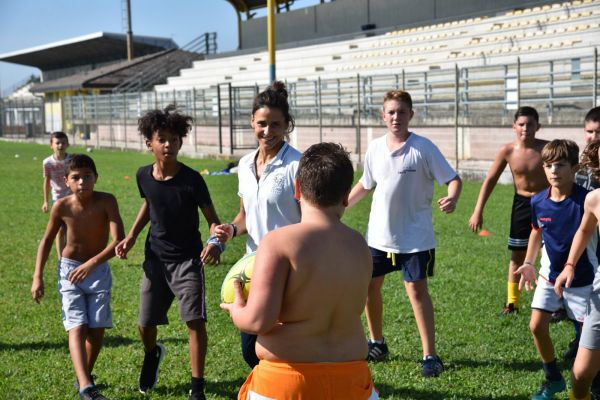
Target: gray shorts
[86, 302]
[162, 282]
[590, 335]
[574, 299]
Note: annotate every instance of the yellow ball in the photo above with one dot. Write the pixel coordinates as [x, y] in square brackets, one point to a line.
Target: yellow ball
[242, 271]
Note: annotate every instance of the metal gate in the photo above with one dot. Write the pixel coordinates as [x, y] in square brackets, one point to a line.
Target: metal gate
[236, 103]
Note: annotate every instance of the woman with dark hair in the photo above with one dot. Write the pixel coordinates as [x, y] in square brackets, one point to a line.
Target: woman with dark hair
[266, 182]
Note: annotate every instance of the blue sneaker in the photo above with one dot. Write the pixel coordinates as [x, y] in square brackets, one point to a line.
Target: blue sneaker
[431, 366]
[549, 389]
[377, 351]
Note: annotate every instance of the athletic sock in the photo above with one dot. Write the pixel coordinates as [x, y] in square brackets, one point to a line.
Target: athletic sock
[197, 385]
[577, 325]
[513, 294]
[378, 341]
[81, 390]
[572, 397]
[552, 372]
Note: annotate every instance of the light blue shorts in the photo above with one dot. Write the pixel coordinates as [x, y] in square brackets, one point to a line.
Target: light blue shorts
[574, 300]
[590, 335]
[87, 302]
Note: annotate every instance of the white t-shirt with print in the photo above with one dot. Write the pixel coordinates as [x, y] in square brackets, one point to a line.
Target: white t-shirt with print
[269, 203]
[55, 170]
[400, 220]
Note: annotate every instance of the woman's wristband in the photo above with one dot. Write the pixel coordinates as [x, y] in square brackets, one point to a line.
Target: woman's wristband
[569, 264]
[528, 263]
[235, 230]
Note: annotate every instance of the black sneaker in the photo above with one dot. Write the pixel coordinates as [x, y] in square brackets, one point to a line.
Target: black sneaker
[509, 309]
[571, 352]
[91, 393]
[431, 366]
[197, 396]
[149, 374]
[558, 315]
[377, 351]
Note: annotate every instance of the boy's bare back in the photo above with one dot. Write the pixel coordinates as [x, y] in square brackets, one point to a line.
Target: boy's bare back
[323, 269]
[526, 166]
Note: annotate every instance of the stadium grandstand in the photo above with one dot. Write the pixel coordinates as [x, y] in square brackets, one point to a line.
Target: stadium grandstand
[97, 63]
[468, 66]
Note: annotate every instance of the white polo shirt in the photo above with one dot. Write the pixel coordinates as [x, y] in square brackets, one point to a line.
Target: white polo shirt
[401, 219]
[269, 203]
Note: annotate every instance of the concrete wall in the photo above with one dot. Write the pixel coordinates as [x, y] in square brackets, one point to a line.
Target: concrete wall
[346, 17]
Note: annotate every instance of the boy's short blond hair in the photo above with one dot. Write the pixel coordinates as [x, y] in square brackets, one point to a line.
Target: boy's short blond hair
[398, 95]
[561, 149]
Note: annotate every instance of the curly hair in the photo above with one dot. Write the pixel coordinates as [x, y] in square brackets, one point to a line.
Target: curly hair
[275, 96]
[589, 159]
[168, 119]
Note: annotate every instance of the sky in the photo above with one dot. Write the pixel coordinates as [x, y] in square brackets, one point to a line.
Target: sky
[29, 23]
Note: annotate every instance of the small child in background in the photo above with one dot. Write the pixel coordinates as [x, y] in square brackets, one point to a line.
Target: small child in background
[555, 216]
[54, 178]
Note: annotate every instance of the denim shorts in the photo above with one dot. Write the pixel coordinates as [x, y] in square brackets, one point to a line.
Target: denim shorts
[86, 302]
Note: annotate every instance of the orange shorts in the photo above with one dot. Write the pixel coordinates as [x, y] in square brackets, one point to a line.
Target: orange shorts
[276, 380]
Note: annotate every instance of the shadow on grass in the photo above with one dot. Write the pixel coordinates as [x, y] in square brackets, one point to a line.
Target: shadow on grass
[531, 366]
[109, 341]
[62, 344]
[223, 389]
[386, 391]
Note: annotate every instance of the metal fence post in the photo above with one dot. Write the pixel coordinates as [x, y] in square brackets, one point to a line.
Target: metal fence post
[595, 89]
[219, 118]
[195, 123]
[518, 82]
[320, 109]
[358, 147]
[97, 121]
[230, 119]
[125, 118]
[456, 100]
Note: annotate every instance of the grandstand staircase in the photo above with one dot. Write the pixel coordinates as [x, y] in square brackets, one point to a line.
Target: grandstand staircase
[170, 63]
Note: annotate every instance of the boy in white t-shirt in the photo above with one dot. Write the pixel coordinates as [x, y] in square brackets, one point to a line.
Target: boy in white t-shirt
[54, 179]
[401, 167]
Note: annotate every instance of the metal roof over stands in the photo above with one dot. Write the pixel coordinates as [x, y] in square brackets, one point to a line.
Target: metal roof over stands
[247, 5]
[103, 78]
[99, 47]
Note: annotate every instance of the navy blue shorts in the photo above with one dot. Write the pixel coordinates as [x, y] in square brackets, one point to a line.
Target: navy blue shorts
[416, 266]
[520, 223]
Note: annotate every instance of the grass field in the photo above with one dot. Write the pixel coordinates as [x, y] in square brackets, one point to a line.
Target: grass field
[486, 356]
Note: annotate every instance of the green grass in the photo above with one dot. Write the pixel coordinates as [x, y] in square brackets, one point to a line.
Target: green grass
[486, 357]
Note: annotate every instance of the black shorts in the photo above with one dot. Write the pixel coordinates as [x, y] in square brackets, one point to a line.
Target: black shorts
[416, 266]
[162, 282]
[520, 223]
